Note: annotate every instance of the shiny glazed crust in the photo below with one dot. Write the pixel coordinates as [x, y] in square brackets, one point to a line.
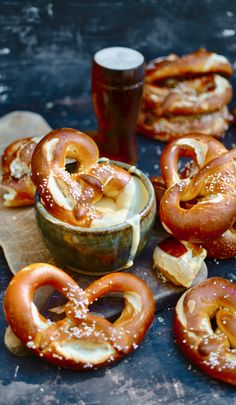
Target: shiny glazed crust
[213, 350]
[71, 197]
[16, 168]
[81, 340]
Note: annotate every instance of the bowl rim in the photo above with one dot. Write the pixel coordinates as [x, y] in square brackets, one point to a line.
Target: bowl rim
[108, 229]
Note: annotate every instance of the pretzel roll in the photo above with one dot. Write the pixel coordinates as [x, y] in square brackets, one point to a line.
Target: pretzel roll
[187, 97]
[16, 168]
[168, 128]
[81, 340]
[196, 63]
[210, 348]
[71, 197]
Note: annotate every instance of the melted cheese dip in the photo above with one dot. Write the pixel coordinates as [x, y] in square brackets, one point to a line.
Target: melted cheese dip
[131, 200]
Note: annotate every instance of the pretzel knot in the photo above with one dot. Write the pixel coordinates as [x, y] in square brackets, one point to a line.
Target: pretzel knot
[205, 327]
[81, 340]
[71, 197]
[16, 178]
[186, 94]
[201, 206]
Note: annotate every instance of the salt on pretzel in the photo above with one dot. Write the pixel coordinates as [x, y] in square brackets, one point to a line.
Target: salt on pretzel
[16, 169]
[71, 197]
[81, 340]
[168, 128]
[187, 97]
[204, 206]
[210, 348]
[197, 63]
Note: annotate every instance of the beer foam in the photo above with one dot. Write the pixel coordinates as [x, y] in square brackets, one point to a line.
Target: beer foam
[119, 58]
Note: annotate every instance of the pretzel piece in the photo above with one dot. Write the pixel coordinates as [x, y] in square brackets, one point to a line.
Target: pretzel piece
[213, 350]
[71, 197]
[179, 262]
[16, 177]
[81, 340]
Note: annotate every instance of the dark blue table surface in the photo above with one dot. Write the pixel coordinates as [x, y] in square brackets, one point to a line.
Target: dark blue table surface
[45, 58]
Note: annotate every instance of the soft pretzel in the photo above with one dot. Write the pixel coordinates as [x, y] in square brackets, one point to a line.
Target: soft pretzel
[186, 94]
[211, 348]
[188, 97]
[179, 262]
[195, 64]
[81, 340]
[71, 197]
[16, 169]
[204, 206]
[223, 247]
[168, 128]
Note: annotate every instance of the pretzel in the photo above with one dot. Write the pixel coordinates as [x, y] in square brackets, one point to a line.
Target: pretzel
[81, 340]
[188, 97]
[71, 197]
[186, 94]
[210, 348]
[179, 262]
[16, 169]
[204, 206]
[223, 247]
[168, 128]
[195, 64]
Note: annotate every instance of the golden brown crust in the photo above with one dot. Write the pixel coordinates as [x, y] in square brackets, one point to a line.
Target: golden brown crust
[199, 205]
[195, 96]
[16, 168]
[213, 350]
[186, 94]
[71, 197]
[81, 340]
[195, 64]
[168, 128]
[223, 247]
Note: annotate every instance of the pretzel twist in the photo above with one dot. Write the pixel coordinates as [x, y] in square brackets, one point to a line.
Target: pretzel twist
[166, 129]
[16, 168]
[71, 197]
[186, 94]
[195, 96]
[81, 340]
[196, 63]
[213, 350]
[204, 206]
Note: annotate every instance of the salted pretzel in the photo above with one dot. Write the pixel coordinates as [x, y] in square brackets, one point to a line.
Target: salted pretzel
[71, 197]
[210, 347]
[81, 340]
[197, 63]
[186, 94]
[16, 173]
[201, 207]
[168, 128]
[188, 97]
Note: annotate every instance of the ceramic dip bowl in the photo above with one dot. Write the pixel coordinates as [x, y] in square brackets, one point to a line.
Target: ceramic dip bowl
[99, 250]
